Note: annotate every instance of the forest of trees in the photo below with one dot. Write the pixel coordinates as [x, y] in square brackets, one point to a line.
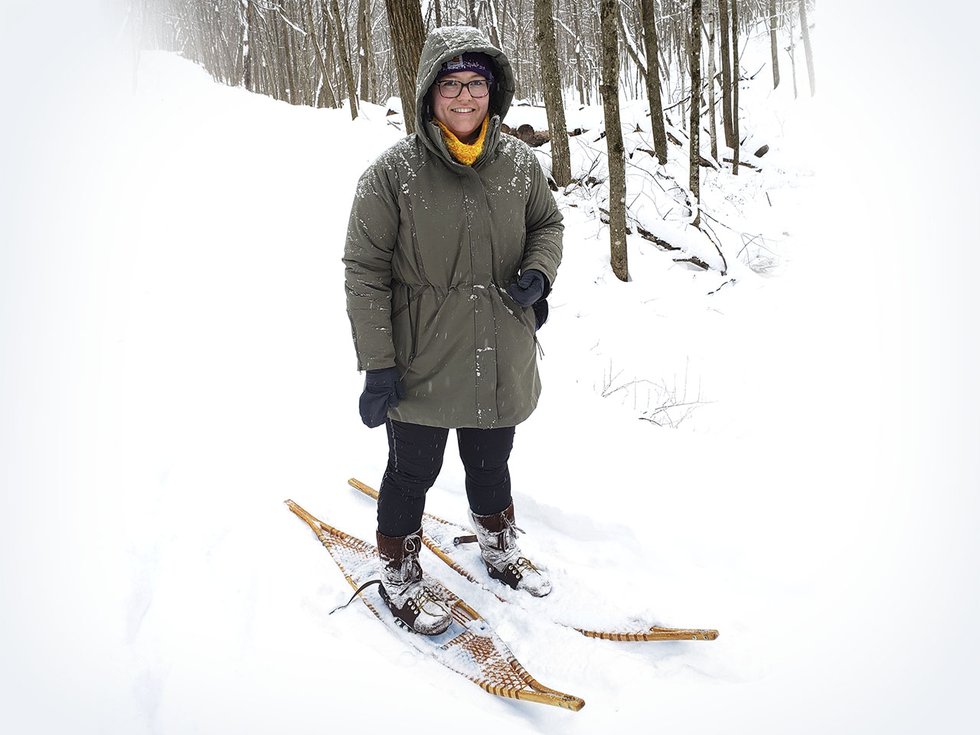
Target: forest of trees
[333, 53]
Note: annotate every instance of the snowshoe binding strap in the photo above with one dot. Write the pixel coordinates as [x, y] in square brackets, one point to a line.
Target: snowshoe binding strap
[356, 593]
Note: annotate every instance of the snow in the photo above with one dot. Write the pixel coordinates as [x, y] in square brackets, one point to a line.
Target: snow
[176, 362]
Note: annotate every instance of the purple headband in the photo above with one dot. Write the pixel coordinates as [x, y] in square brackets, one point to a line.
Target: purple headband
[475, 62]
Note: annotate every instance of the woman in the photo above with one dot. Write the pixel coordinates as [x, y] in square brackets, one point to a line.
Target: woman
[453, 243]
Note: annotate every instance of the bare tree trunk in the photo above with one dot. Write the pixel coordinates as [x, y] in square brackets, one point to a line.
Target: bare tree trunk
[491, 22]
[596, 24]
[272, 61]
[631, 52]
[438, 7]
[684, 61]
[345, 64]
[792, 54]
[580, 82]
[652, 47]
[614, 139]
[328, 55]
[293, 93]
[805, 27]
[372, 59]
[517, 57]
[726, 72]
[773, 43]
[407, 37]
[305, 68]
[301, 58]
[202, 40]
[290, 51]
[695, 164]
[736, 74]
[233, 42]
[364, 47]
[712, 115]
[251, 45]
[544, 35]
[326, 93]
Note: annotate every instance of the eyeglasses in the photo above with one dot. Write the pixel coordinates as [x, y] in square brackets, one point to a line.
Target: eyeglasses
[452, 88]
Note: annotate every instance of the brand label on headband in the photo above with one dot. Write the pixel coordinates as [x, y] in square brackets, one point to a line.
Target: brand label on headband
[474, 62]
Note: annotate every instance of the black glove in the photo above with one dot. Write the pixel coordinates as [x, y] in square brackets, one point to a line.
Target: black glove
[528, 289]
[540, 313]
[382, 389]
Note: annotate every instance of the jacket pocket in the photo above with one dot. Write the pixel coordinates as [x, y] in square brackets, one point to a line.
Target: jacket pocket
[522, 314]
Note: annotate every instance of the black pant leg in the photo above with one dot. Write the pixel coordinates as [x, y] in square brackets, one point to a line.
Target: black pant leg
[414, 460]
[485, 453]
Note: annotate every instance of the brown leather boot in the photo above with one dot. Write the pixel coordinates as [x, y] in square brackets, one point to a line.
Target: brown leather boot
[497, 535]
[402, 588]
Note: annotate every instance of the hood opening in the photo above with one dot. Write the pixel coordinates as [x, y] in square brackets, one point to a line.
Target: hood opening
[443, 44]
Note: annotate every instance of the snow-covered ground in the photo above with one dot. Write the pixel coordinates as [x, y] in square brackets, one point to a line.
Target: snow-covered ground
[176, 361]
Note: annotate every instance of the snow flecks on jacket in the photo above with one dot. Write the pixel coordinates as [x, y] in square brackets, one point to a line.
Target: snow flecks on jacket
[431, 247]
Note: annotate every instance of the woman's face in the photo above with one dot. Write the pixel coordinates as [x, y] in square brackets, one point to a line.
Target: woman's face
[463, 115]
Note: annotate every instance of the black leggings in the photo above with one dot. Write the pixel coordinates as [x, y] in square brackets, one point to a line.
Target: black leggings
[414, 459]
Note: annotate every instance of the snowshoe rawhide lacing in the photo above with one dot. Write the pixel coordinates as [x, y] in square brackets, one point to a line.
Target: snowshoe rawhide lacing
[403, 589]
[497, 536]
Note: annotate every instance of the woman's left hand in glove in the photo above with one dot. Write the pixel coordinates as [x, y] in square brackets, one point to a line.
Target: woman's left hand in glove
[528, 289]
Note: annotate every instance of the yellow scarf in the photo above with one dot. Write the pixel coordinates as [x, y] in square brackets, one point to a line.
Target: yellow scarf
[465, 153]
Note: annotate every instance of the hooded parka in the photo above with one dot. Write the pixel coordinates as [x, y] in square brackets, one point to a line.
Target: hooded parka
[431, 247]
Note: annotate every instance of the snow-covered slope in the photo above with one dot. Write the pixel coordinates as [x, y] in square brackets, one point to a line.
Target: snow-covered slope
[176, 362]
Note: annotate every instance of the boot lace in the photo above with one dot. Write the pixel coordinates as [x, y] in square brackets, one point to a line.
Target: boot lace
[507, 544]
[507, 538]
[411, 570]
[423, 596]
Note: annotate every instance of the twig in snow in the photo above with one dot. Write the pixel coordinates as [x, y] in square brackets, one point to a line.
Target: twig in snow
[716, 241]
[695, 260]
[730, 280]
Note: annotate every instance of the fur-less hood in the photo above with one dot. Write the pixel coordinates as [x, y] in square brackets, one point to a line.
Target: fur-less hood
[443, 44]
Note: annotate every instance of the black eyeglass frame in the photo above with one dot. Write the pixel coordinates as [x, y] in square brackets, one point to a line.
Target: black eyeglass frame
[443, 84]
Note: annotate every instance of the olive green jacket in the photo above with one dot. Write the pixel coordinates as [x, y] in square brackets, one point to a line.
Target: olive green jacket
[431, 247]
